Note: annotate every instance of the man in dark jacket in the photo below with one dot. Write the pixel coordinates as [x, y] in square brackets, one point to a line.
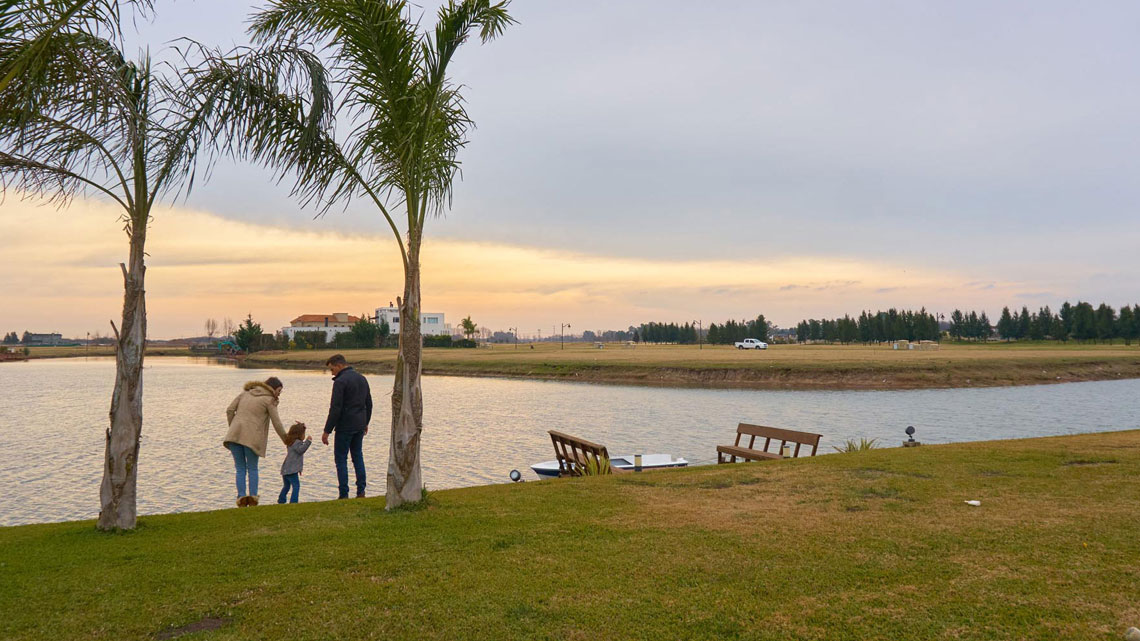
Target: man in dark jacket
[349, 415]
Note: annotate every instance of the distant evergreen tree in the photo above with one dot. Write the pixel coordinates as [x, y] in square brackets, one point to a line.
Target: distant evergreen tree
[1044, 323]
[1084, 322]
[1058, 329]
[985, 330]
[1024, 322]
[1066, 320]
[759, 329]
[248, 334]
[1036, 332]
[1126, 325]
[957, 324]
[1105, 323]
[1005, 325]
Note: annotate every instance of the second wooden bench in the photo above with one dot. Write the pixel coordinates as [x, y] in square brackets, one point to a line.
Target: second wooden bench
[729, 453]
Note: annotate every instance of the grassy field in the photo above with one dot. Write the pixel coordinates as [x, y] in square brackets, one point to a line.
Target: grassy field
[780, 367]
[102, 350]
[875, 545]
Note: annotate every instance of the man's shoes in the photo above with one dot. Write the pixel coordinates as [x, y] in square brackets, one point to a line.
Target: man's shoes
[360, 495]
[243, 501]
[252, 499]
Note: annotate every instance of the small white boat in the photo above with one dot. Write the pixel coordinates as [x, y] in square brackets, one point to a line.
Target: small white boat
[549, 469]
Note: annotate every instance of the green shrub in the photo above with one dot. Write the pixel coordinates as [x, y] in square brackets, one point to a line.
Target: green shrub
[595, 466]
[311, 340]
[851, 445]
[437, 341]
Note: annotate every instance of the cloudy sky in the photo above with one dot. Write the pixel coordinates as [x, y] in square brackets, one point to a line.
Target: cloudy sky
[662, 160]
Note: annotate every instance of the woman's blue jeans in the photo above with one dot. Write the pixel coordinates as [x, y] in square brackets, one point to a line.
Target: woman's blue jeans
[245, 463]
[291, 481]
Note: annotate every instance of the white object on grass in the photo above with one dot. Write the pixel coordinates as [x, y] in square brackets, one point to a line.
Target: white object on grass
[979, 504]
[1133, 634]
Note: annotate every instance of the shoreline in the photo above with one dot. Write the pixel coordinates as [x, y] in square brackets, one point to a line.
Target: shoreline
[790, 368]
[788, 378]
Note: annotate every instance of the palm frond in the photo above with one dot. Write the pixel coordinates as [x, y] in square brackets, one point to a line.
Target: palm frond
[408, 122]
[49, 19]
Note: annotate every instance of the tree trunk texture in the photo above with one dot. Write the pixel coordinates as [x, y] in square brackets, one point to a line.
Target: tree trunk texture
[405, 481]
[120, 467]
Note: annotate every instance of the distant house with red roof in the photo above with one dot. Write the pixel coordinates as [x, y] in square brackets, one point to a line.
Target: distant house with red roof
[330, 324]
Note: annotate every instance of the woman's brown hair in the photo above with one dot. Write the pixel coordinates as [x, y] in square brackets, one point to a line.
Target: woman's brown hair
[296, 433]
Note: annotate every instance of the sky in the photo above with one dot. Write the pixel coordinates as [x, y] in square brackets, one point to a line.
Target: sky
[672, 161]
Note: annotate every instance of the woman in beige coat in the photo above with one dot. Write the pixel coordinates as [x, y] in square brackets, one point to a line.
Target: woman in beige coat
[249, 417]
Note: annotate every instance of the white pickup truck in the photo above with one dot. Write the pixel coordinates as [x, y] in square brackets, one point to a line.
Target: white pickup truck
[751, 343]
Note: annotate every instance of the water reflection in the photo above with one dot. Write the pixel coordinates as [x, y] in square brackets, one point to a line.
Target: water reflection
[53, 414]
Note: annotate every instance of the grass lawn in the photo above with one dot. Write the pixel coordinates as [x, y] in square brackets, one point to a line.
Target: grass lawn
[97, 350]
[876, 545]
[780, 367]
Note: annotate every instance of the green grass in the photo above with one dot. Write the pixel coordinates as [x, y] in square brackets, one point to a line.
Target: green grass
[875, 545]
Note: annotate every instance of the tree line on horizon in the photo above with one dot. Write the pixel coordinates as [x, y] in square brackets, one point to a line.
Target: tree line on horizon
[725, 333]
[732, 331]
[869, 328]
[1080, 322]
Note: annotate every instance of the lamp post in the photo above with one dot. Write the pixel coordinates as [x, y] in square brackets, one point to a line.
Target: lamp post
[515, 331]
[700, 344]
[540, 334]
[564, 326]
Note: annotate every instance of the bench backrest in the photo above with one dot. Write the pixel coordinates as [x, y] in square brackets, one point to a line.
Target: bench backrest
[773, 434]
[574, 453]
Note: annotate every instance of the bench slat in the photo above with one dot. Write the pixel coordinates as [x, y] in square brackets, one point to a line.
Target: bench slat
[807, 438]
[746, 453]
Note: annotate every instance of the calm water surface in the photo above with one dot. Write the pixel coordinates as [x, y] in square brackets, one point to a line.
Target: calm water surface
[53, 414]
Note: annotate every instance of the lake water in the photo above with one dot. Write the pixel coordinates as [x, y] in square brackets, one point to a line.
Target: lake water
[53, 414]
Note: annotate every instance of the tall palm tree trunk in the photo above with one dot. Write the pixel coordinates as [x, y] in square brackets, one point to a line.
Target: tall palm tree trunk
[405, 482]
[120, 469]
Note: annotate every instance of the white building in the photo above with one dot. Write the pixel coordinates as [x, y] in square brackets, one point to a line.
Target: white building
[430, 324]
[330, 324]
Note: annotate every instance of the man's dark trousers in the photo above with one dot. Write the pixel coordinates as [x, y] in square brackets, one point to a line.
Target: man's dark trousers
[343, 444]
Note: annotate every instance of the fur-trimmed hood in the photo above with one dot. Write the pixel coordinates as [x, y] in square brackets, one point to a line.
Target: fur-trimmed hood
[259, 388]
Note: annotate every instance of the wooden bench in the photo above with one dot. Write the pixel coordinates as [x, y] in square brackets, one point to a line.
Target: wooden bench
[729, 453]
[574, 454]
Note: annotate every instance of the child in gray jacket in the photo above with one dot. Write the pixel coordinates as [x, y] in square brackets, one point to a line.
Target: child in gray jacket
[296, 443]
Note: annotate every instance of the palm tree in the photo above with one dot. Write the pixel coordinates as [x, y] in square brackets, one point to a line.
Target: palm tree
[468, 326]
[408, 124]
[78, 118]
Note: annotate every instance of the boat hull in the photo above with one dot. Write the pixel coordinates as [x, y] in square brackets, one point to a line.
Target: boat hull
[549, 469]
